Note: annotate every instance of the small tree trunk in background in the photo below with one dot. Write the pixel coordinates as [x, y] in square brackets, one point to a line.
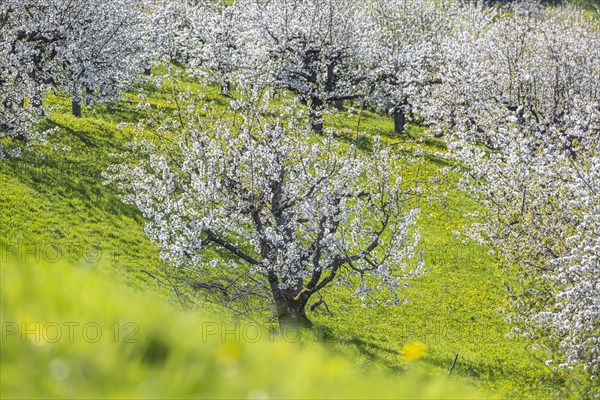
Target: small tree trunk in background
[20, 136]
[338, 105]
[316, 122]
[177, 60]
[148, 71]
[76, 108]
[37, 103]
[315, 115]
[225, 88]
[399, 120]
[4, 125]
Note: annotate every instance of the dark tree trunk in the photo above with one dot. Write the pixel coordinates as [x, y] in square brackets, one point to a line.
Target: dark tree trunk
[225, 88]
[290, 306]
[330, 85]
[338, 105]
[399, 120]
[148, 71]
[177, 61]
[316, 124]
[37, 103]
[311, 59]
[5, 126]
[76, 108]
[19, 136]
[315, 115]
[291, 313]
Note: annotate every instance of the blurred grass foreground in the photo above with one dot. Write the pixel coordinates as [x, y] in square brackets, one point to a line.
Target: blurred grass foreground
[70, 332]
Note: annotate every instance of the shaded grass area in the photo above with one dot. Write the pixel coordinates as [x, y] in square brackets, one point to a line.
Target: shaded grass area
[56, 209]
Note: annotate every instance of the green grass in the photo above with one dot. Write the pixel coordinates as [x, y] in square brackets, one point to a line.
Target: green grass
[55, 209]
[74, 333]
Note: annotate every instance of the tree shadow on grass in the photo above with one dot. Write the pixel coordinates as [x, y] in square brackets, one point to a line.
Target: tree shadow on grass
[71, 175]
[496, 371]
[362, 142]
[371, 350]
[98, 137]
[120, 113]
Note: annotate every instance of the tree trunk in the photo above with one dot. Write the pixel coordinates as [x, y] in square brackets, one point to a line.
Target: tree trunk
[76, 108]
[399, 120]
[290, 306]
[291, 313]
[316, 123]
[148, 71]
[4, 125]
[37, 103]
[20, 136]
[225, 88]
[177, 60]
[315, 116]
[338, 105]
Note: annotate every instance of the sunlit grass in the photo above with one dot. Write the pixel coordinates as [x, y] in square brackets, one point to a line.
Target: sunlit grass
[55, 208]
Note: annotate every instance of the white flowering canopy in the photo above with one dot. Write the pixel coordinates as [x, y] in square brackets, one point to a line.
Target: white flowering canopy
[521, 101]
[205, 35]
[407, 39]
[317, 49]
[298, 214]
[91, 50]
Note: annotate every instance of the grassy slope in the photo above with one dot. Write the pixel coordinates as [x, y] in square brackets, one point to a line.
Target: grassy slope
[125, 346]
[54, 206]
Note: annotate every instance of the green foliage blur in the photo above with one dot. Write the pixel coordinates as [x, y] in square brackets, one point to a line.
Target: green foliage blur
[70, 332]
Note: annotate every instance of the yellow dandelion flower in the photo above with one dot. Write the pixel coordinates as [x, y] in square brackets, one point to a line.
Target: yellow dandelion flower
[413, 351]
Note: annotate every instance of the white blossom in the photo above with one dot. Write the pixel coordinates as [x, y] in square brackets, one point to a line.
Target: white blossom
[298, 216]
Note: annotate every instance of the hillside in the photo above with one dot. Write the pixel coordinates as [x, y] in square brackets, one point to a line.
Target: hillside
[56, 210]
